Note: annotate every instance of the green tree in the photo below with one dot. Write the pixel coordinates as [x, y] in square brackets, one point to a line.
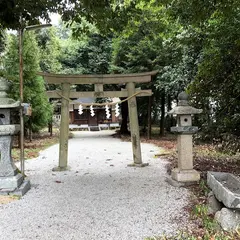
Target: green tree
[106, 14]
[50, 50]
[86, 55]
[149, 43]
[34, 90]
[2, 40]
[29, 11]
[2, 46]
[215, 87]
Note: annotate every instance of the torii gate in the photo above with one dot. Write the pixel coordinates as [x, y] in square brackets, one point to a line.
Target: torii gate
[98, 80]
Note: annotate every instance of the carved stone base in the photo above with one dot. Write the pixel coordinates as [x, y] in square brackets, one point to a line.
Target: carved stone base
[25, 186]
[185, 175]
[11, 182]
[20, 191]
[175, 183]
[138, 164]
[60, 169]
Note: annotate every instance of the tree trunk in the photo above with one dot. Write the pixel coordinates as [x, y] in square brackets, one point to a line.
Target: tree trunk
[149, 132]
[162, 113]
[19, 140]
[30, 129]
[169, 118]
[50, 128]
[124, 126]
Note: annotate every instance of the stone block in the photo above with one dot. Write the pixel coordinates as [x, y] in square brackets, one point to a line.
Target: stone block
[184, 129]
[20, 191]
[185, 175]
[175, 183]
[213, 204]
[184, 147]
[226, 188]
[11, 182]
[7, 129]
[138, 165]
[229, 219]
[25, 186]
[61, 169]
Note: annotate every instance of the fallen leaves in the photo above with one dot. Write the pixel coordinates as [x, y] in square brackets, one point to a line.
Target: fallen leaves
[33, 148]
[57, 181]
[7, 199]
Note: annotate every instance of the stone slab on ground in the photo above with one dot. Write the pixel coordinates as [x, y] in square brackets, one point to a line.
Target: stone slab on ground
[98, 198]
[229, 219]
[11, 182]
[226, 188]
[213, 204]
[185, 175]
[19, 191]
[175, 183]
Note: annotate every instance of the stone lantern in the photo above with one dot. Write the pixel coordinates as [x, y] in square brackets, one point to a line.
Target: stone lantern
[11, 181]
[184, 172]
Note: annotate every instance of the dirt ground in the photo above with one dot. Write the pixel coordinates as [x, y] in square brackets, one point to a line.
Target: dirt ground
[206, 156]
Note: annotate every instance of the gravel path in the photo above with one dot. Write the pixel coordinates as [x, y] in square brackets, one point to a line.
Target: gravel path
[99, 198]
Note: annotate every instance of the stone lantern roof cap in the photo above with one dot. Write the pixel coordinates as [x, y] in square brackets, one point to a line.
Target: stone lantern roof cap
[6, 102]
[183, 107]
[184, 110]
[9, 103]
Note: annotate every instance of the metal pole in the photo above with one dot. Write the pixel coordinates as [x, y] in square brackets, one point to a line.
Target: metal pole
[20, 35]
[21, 100]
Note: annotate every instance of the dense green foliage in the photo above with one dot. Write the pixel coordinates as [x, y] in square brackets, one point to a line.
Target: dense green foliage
[2, 46]
[212, 31]
[193, 44]
[50, 50]
[216, 85]
[2, 40]
[34, 89]
[16, 14]
[86, 56]
[107, 15]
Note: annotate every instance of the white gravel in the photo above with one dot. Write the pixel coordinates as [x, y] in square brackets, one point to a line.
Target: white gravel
[99, 198]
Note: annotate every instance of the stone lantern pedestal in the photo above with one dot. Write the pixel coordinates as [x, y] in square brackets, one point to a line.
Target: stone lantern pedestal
[11, 181]
[184, 173]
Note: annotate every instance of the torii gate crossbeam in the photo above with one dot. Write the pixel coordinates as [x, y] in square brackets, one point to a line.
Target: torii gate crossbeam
[98, 80]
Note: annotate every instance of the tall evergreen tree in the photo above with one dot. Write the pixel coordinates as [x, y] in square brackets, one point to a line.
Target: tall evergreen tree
[34, 89]
[2, 46]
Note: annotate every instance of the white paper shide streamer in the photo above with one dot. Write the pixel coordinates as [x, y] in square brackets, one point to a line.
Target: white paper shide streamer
[80, 110]
[117, 112]
[107, 112]
[92, 111]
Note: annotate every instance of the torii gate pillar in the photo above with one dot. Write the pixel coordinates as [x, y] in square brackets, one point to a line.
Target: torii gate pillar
[134, 128]
[64, 129]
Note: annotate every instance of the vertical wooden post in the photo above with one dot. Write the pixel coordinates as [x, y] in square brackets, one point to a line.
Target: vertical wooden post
[134, 127]
[149, 130]
[64, 129]
[162, 119]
